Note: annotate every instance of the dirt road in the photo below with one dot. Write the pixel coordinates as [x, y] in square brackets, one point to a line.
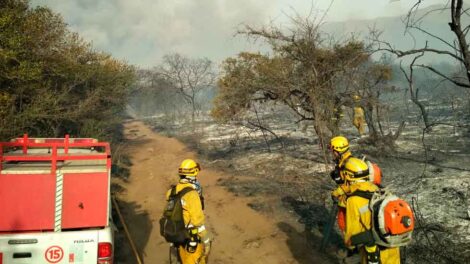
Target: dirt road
[241, 235]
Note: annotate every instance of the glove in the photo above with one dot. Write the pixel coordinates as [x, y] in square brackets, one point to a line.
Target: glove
[336, 177]
[334, 198]
[373, 254]
[207, 247]
[193, 241]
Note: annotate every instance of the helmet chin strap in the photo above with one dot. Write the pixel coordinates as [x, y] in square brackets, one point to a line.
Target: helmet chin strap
[338, 155]
[192, 179]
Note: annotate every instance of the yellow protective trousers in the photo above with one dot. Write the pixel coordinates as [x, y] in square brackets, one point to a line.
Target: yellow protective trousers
[197, 257]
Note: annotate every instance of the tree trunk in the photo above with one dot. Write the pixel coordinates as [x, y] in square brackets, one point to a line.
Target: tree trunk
[369, 115]
[456, 27]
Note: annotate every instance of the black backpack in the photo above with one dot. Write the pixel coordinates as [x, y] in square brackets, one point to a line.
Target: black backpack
[172, 226]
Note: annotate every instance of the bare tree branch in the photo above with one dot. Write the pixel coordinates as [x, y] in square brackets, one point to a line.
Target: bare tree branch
[188, 76]
[413, 92]
[434, 36]
[401, 53]
[460, 47]
[461, 84]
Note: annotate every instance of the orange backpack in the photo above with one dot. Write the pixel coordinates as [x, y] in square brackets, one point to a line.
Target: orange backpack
[375, 173]
[392, 220]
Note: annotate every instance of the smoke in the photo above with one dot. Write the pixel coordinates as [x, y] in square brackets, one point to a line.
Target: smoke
[142, 31]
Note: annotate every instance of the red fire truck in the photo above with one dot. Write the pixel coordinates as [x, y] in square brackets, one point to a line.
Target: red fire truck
[55, 201]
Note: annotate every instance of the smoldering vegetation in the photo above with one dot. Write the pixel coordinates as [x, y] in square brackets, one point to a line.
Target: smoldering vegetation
[285, 160]
[273, 114]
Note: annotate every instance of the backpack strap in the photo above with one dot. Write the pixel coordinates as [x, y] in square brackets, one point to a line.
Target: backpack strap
[344, 162]
[364, 238]
[364, 194]
[173, 191]
[184, 191]
[181, 193]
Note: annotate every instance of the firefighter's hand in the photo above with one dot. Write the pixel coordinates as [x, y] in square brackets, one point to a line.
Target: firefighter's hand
[207, 247]
[206, 240]
[334, 198]
[336, 194]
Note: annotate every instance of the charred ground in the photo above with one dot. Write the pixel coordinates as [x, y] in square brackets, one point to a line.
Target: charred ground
[289, 174]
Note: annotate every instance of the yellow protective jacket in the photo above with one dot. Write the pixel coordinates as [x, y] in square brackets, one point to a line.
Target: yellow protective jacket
[358, 220]
[193, 217]
[342, 189]
[358, 112]
[193, 214]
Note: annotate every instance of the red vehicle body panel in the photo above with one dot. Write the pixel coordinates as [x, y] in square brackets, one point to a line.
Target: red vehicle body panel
[85, 201]
[26, 202]
[27, 199]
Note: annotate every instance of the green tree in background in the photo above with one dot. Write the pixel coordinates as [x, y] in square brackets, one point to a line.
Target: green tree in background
[52, 82]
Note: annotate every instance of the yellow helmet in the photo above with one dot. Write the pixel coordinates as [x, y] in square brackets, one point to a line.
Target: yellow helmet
[189, 168]
[356, 97]
[339, 144]
[355, 169]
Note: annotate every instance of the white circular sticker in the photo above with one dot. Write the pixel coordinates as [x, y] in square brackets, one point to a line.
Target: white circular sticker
[54, 254]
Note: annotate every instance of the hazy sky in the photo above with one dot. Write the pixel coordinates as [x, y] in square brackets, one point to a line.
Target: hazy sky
[142, 31]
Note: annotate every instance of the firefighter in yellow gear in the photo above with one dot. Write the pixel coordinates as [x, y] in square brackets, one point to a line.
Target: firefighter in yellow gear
[339, 146]
[358, 214]
[196, 250]
[359, 120]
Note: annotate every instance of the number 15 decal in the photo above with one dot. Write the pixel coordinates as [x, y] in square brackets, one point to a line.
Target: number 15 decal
[54, 254]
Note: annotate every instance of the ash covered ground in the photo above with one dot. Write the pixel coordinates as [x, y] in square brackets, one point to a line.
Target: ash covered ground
[288, 172]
